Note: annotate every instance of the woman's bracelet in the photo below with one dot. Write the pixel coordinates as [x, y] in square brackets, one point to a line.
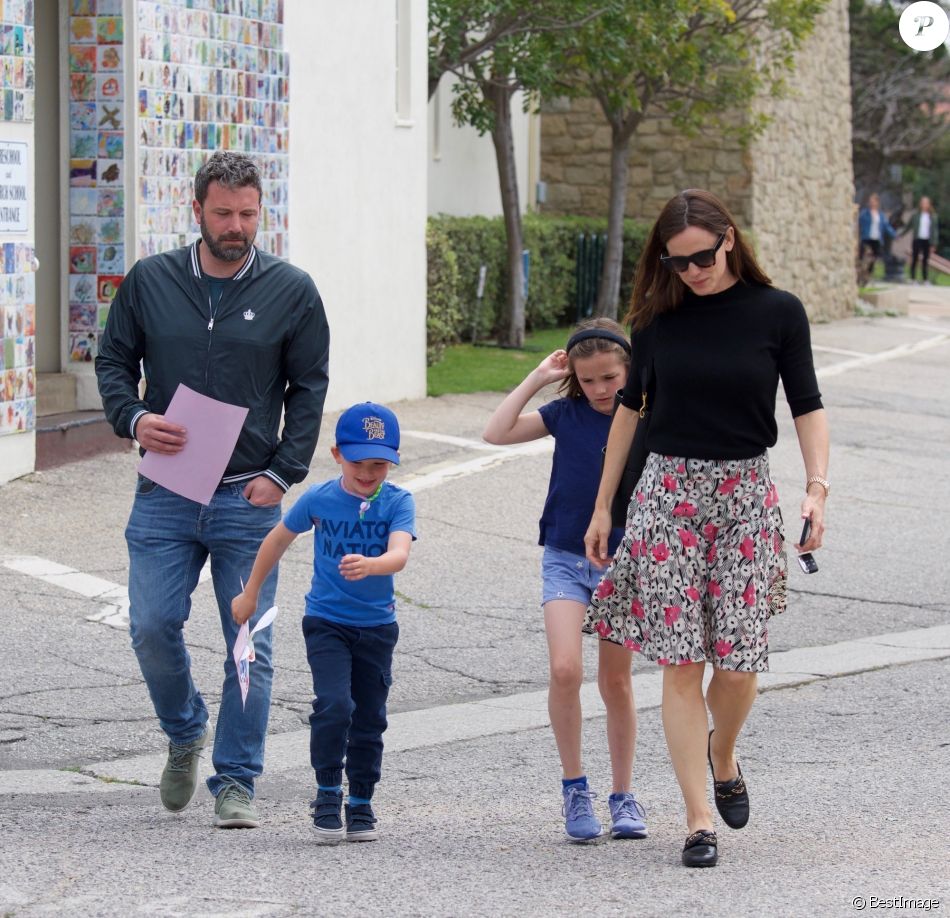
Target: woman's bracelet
[817, 479]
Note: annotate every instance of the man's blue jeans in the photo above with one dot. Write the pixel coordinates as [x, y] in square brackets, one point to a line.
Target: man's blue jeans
[169, 539]
[352, 673]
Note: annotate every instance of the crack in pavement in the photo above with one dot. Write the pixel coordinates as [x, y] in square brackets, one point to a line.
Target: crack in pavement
[485, 532]
[496, 683]
[922, 607]
[58, 688]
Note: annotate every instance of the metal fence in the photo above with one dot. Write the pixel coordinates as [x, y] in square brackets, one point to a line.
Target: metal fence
[588, 264]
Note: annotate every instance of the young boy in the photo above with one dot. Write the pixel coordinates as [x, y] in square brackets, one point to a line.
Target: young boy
[364, 527]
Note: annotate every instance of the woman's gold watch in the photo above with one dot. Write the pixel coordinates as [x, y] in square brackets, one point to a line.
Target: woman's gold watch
[817, 479]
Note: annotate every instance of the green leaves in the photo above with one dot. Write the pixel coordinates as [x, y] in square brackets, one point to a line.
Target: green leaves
[501, 45]
[689, 59]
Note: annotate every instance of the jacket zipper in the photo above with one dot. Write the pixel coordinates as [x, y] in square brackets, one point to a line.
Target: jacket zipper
[210, 330]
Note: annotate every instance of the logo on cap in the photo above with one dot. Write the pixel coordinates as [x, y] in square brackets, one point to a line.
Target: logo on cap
[375, 428]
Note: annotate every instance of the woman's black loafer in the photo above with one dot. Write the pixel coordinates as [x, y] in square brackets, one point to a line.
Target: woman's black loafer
[732, 798]
[700, 849]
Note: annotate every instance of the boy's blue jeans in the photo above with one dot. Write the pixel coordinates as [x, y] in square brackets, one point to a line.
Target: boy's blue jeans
[352, 673]
[169, 539]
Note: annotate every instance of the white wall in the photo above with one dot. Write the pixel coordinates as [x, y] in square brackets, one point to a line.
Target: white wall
[463, 174]
[358, 191]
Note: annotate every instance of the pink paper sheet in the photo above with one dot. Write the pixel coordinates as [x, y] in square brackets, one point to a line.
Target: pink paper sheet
[213, 428]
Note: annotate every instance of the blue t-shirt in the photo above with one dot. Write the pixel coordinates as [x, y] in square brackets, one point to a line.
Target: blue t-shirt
[580, 434]
[339, 531]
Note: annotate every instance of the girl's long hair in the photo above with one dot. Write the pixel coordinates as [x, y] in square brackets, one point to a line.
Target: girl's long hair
[657, 290]
[570, 387]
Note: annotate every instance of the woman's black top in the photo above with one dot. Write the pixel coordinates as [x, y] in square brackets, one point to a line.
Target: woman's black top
[717, 361]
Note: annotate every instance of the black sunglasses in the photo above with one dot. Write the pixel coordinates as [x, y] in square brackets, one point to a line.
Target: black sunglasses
[704, 259]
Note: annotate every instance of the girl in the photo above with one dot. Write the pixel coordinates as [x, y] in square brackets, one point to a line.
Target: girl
[591, 369]
[702, 565]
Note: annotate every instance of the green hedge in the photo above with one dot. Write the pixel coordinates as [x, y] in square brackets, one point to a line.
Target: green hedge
[458, 246]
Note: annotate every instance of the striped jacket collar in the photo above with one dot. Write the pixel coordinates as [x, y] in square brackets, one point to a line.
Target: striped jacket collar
[242, 272]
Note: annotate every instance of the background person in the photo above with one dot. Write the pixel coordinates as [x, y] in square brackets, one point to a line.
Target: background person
[873, 229]
[925, 230]
[591, 369]
[235, 324]
[702, 565]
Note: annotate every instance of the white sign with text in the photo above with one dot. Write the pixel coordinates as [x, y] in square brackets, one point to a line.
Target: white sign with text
[14, 187]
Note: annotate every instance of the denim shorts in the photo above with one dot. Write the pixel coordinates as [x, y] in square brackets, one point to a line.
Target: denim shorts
[565, 575]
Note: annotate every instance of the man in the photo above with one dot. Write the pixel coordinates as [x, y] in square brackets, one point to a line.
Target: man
[246, 328]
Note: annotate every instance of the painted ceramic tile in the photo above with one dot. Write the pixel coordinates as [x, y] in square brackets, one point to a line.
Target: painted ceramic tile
[82, 316]
[108, 286]
[82, 259]
[82, 116]
[111, 259]
[109, 29]
[82, 172]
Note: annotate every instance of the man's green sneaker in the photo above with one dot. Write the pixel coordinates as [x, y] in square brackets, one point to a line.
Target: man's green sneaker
[233, 809]
[180, 777]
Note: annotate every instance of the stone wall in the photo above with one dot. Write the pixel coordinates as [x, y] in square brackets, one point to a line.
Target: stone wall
[792, 188]
[802, 179]
[575, 163]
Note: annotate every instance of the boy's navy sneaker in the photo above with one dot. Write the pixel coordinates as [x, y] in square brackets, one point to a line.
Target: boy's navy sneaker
[360, 823]
[627, 816]
[327, 824]
[580, 823]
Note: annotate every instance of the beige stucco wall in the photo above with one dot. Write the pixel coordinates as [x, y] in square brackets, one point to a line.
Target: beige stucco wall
[462, 174]
[358, 191]
[792, 187]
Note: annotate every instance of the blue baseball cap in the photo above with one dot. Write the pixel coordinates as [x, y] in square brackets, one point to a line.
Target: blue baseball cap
[368, 431]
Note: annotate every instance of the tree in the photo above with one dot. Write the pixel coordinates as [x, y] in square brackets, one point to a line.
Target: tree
[694, 61]
[900, 98]
[496, 48]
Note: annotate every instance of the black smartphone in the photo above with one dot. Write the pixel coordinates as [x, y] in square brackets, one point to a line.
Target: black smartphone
[806, 531]
[807, 561]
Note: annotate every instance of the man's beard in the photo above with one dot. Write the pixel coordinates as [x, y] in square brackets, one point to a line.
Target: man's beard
[226, 248]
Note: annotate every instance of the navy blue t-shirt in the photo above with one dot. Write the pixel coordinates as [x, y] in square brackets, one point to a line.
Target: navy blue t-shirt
[580, 434]
[335, 515]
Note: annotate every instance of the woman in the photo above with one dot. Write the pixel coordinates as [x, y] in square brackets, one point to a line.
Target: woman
[702, 564]
[923, 224]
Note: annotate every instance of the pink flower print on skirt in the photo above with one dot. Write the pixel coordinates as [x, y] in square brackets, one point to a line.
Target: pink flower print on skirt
[701, 568]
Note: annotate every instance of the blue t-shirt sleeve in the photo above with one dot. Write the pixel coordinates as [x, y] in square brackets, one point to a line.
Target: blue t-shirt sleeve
[404, 515]
[551, 414]
[299, 518]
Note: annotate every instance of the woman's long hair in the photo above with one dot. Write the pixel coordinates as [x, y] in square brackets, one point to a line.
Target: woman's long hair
[657, 290]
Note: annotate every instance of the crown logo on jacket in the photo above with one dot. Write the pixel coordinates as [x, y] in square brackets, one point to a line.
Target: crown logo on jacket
[249, 314]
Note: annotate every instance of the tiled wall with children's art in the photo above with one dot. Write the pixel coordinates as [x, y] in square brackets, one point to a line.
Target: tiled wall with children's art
[209, 75]
[97, 163]
[18, 331]
[17, 61]
[17, 280]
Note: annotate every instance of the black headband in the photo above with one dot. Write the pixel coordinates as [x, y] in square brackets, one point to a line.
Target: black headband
[577, 337]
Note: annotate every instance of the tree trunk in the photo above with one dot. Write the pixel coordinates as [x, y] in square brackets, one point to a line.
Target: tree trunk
[609, 292]
[511, 325]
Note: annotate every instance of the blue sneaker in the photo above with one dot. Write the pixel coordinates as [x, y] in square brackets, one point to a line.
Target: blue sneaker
[327, 824]
[580, 823]
[627, 815]
[360, 823]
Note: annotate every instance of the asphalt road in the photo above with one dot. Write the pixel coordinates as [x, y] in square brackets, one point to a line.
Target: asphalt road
[847, 769]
